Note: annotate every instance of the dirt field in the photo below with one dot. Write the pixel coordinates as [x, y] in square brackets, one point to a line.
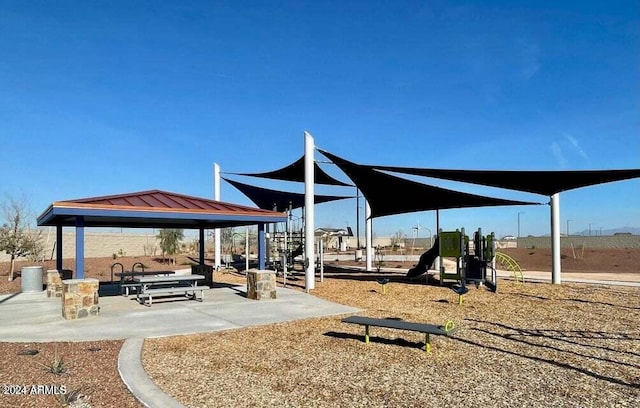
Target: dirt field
[539, 259]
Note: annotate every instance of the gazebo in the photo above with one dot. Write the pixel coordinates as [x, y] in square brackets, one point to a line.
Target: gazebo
[152, 209]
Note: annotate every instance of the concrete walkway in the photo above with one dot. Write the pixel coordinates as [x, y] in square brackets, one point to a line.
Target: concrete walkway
[32, 317]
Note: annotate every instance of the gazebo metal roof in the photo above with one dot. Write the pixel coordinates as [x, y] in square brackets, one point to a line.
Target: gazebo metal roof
[154, 209]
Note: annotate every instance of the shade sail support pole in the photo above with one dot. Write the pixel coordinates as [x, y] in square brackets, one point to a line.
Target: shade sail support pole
[368, 232]
[246, 249]
[436, 263]
[216, 232]
[556, 267]
[309, 226]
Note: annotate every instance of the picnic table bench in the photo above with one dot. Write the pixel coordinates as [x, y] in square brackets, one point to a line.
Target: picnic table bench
[127, 282]
[425, 328]
[186, 285]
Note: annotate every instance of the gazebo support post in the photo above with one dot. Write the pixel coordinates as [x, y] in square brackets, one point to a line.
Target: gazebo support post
[79, 247]
[201, 245]
[262, 247]
[59, 247]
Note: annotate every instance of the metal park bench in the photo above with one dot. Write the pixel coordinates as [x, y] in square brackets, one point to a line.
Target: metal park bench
[446, 330]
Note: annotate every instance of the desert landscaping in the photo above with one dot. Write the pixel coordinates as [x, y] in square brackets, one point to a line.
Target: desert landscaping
[532, 344]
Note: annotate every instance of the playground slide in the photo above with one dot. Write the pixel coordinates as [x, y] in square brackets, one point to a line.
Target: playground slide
[425, 261]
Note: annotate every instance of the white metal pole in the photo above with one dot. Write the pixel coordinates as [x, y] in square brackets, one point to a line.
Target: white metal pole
[216, 196]
[556, 268]
[368, 235]
[285, 257]
[309, 180]
[320, 260]
[246, 249]
[436, 263]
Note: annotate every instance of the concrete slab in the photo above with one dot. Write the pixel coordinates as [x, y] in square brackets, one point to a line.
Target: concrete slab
[35, 318]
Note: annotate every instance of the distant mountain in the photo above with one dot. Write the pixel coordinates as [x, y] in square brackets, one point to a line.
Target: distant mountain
[620, 230]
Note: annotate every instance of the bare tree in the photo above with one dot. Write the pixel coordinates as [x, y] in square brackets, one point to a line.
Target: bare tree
[397, 238]
[15, 239]
[226, 239]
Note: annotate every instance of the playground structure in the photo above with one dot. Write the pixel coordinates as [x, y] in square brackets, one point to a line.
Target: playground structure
[473, 264]
[477, 267]
[510, 264]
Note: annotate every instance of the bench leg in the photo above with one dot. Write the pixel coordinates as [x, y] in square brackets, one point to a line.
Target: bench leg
[427, 344]
[366, 334]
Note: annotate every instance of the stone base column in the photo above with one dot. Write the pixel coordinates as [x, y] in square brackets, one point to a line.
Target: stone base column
[80, 298]
[206, 271]
[54, 281]
[261, 285]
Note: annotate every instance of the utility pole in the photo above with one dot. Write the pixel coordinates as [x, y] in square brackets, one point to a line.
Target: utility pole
[519, 223]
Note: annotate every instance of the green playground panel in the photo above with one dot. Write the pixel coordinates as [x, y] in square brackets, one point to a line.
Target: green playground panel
[450, 244]
[489, 250]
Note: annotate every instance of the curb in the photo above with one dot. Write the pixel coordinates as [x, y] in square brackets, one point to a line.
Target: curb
[136, 379]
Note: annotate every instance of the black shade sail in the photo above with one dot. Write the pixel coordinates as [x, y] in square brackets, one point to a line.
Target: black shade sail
[295, 172]
[269, 199]
[540, 182]
[388, 195]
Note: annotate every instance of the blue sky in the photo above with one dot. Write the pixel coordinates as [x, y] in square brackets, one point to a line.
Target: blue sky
[108, 97]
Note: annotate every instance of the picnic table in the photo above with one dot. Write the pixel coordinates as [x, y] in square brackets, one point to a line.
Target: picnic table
[186, 285]
[127, 282]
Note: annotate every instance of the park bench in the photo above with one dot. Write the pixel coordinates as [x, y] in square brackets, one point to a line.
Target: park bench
[425, 328]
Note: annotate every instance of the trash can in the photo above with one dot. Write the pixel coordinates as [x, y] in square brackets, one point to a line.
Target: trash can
[31, 279]
[358, 255]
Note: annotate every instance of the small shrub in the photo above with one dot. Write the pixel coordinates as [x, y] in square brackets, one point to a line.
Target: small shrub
[57, 365]
[114, 256]
[75, 398]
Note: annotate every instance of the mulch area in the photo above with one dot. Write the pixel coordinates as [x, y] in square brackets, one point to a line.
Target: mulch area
[532, 345]
[527, 345]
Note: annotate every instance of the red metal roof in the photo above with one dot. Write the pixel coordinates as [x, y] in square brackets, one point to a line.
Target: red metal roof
[163, 200]
[155, 208]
